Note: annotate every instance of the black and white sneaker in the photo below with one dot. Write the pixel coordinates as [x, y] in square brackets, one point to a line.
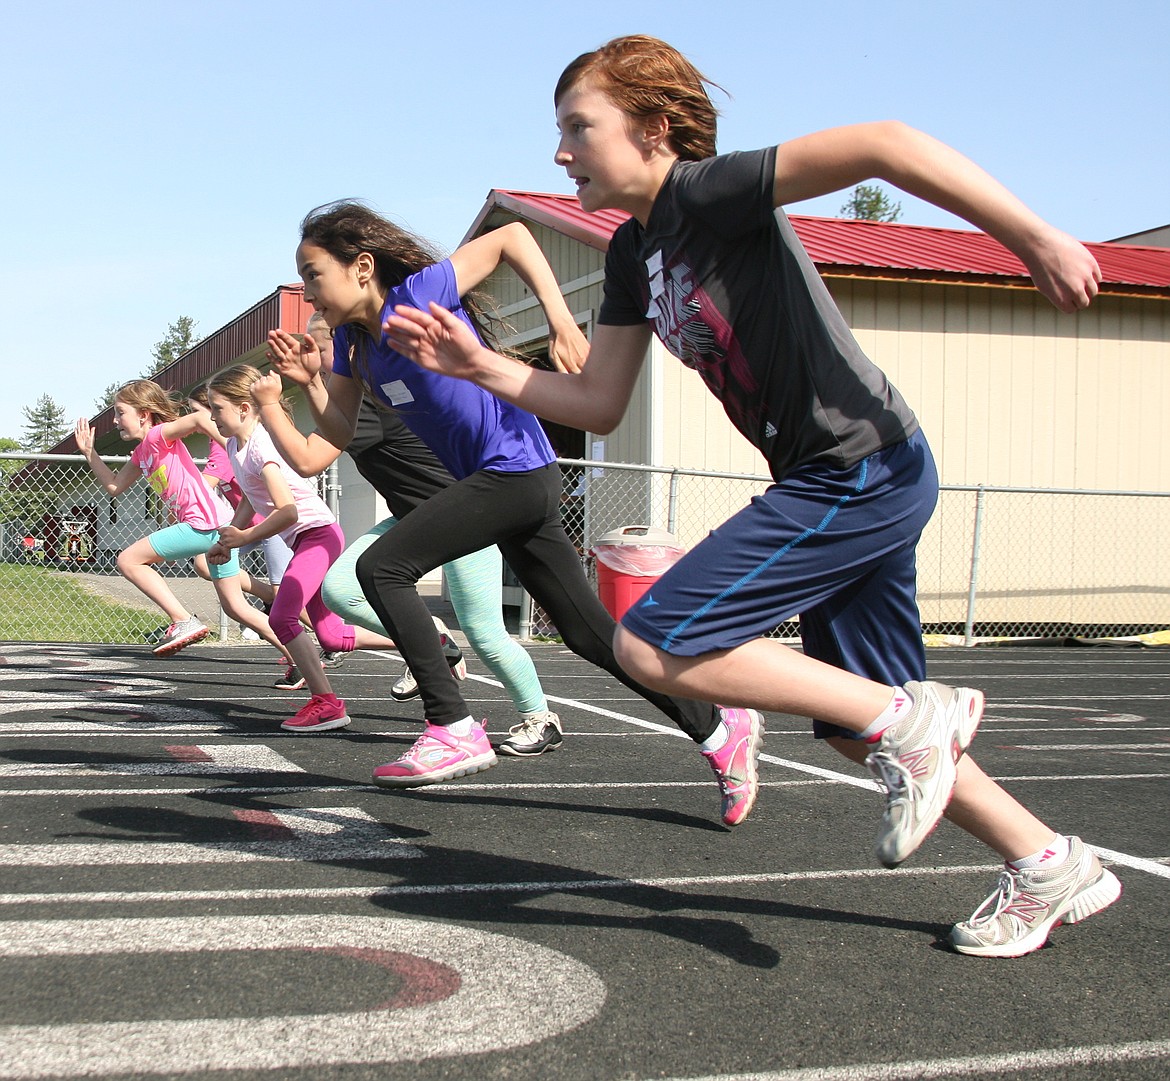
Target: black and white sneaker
[535, 734]
[332, 658]
[405, 687]
[292, 680]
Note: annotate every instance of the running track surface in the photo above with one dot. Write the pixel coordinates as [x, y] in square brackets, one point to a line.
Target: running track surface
[187, 891]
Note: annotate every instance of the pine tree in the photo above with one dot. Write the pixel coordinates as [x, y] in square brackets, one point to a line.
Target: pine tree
[869, 202]
[44, 425]
[179, 338]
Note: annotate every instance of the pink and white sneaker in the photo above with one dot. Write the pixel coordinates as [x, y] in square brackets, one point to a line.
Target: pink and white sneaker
[319, 714]
[736, 762]
[438, 755]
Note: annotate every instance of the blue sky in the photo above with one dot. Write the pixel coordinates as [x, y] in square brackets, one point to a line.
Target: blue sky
[159, 157]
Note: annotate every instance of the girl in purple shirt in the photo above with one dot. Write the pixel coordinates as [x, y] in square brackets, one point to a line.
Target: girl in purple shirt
[357, 267]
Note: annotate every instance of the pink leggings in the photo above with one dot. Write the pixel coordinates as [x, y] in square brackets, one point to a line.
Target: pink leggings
[314, 552]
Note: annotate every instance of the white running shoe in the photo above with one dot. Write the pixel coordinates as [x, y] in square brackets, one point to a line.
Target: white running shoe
[1026, 906]
[916, 762]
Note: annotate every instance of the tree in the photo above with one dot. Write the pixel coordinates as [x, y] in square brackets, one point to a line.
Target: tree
[104, 400]
[179, 338]
[44, 426]
[869, 202]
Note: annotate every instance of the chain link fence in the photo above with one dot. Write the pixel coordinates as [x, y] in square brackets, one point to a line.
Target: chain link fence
[60, 535]
[994, 562]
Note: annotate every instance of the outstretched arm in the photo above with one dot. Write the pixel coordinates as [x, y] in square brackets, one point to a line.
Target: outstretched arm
[1063, 269]
[515, 245]
[190, 423]
[594, 399]
[113, 483]
[334, 408]
[307, 454]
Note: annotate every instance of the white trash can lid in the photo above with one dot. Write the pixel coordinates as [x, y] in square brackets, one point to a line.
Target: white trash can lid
[637, 535]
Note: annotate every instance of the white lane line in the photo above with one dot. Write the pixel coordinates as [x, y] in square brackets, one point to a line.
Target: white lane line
[1016, 1062]
[142, 730]
[481, 978]
[1157, 747]
[582, 885]
[1008, 779]
[320, 833]
[585, 885]
[234, 758]
[526, 786]
[1151, 867]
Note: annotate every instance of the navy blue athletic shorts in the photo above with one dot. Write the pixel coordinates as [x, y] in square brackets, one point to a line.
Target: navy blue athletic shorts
[834, 547]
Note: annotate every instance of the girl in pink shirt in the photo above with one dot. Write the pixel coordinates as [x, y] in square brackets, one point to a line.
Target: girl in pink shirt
[144, 412]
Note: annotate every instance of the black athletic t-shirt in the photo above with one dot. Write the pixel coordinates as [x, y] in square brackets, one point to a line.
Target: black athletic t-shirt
[729, 289]
[394, 461]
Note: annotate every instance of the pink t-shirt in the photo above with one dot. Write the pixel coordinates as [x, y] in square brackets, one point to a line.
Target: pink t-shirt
[173, 476]
[219, 468]
[249, 461]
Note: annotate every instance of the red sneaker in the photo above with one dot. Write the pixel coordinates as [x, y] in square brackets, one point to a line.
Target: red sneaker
[319, 714]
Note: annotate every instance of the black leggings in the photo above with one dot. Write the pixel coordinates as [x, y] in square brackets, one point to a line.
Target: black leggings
[521, 513]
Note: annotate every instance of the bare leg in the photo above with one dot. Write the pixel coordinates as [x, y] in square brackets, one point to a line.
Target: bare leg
[231, 598]
[980, 806]
[303, 651]
[762, 674]
[135, 564]
[364, 639]
[257, 587]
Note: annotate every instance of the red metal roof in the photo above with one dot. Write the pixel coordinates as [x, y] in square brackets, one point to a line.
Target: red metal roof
[284, 308]
[877, 249]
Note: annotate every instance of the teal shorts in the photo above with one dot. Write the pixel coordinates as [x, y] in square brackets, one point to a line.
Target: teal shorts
[182, 541]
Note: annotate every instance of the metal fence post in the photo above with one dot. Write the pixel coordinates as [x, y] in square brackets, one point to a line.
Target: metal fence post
[672, 504]
[972, 582]
[525, 628]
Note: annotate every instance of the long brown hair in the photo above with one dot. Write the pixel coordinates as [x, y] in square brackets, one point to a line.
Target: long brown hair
[147, 396]
[348, 228]
[645, 77]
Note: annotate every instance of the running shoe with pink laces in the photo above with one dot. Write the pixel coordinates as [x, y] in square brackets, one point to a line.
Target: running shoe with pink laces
[319, 714]
[736, 762]
[916, 762]
[438, 755]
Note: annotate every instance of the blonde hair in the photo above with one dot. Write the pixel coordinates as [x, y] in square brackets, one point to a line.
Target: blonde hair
[317, 327]
[645, 77]
[235, 384]
[147, 396]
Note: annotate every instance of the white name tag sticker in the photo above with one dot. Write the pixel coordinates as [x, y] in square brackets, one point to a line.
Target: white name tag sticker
[397, 392]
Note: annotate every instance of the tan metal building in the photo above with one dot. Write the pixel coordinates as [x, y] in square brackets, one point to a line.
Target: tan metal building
[1009, 391]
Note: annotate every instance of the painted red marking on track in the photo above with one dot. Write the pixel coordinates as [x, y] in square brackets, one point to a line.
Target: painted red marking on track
[266, 825]
[423, 981]
[188, 753]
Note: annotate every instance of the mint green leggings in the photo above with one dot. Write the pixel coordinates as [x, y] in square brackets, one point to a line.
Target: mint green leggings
[475, 583]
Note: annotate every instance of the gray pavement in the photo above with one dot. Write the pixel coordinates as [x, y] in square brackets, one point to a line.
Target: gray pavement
[188, 891]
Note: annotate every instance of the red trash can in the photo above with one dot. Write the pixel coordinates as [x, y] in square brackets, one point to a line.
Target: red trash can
[629, 561]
